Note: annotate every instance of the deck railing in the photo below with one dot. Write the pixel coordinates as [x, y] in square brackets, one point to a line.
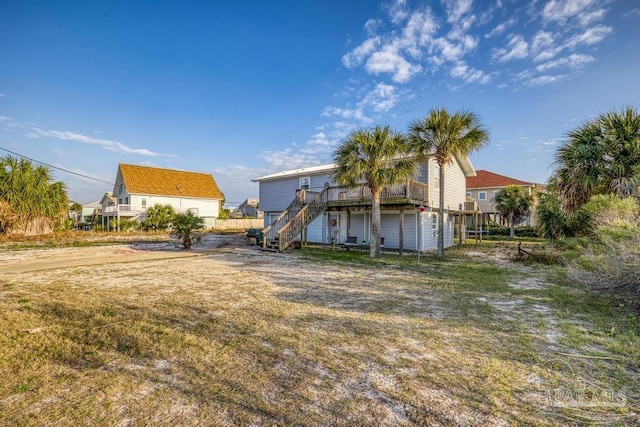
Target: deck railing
[292, 221]
[123, 210]
[411, 190]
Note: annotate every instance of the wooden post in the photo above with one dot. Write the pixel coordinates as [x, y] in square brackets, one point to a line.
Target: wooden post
[475, 220]
[401, 232]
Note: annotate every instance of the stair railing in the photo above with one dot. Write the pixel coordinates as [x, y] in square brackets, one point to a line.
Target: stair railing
[289, 231]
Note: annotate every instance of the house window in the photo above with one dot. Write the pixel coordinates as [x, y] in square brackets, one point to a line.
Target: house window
[468, 193]
[482, 195]
[144, 203]
[305, 183]
[436, 172]
[126, 200]
[434, 224]
[495, 193]
[121, 189]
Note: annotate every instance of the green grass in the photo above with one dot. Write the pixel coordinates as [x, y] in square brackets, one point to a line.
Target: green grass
[317, 337]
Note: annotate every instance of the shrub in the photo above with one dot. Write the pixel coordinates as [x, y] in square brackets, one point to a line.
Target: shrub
[611, 259]
[125, 224]
[184, 226]
[158, 217]
[521, 231]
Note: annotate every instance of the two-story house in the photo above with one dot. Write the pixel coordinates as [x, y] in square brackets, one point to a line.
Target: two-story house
[138, 188]
[307, 204]
[485, 185]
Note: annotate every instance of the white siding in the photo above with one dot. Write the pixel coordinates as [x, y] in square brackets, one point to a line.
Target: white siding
[455, 187]
[205, 208]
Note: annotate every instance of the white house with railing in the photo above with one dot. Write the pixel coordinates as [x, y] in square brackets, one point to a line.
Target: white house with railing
[307, 204]
[138, 188]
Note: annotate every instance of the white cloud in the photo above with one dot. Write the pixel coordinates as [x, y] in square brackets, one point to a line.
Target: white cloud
[517, 48]
[358, 55]
[469, 74]
[370, 26]
[575, 60]
[381, 98]
[456, 9]
[346, 113]
[104, 143]
[588, 18]
[543, 46]
[390, 60]
[2, 95]
[419, 30]
[235, 183]
[590, 36]
[500, 28]
[393, 53]
[545, 79]
[398, 11]
[563, 10]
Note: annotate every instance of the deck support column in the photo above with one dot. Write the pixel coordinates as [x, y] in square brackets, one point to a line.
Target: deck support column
[401, 233]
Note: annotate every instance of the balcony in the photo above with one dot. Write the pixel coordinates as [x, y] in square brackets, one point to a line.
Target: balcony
[409, 193]
[123, 210]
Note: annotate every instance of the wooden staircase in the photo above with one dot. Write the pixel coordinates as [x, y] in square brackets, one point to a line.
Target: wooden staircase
[284, 230]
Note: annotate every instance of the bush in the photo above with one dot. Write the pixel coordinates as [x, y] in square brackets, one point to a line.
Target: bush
[125, 224]
[611, 259]
[605, 210]
[158, 217]
[522, 231]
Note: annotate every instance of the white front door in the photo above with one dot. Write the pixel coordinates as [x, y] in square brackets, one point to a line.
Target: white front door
[337, 227]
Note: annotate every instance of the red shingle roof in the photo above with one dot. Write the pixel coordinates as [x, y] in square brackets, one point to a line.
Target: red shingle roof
[486, 179]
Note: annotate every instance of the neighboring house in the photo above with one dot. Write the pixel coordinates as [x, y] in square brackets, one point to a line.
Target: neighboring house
[83, 219]
[485, 185]
[307, 204]
[248, 208]
[138, 188]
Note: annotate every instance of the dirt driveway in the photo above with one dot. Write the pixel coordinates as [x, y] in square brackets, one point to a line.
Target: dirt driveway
[58, 258]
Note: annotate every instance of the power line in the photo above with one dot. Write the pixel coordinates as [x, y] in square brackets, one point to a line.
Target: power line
[59, 168]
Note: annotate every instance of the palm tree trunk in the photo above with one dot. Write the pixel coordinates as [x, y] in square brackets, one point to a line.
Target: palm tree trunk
[512, 227]
[441, 213]
[374, 248]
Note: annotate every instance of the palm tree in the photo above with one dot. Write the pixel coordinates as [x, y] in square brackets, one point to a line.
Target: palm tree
[31, 203]
[158, 217]
[513, 202]
[184, 224]
[445, 136]
[377, 157]
[600, 157]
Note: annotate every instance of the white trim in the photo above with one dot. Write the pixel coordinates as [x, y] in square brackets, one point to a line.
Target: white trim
[297, 172]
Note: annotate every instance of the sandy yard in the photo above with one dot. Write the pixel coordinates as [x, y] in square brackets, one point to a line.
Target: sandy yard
[145, 333]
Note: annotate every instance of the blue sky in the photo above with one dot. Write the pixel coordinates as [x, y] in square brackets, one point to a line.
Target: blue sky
[244, 89]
